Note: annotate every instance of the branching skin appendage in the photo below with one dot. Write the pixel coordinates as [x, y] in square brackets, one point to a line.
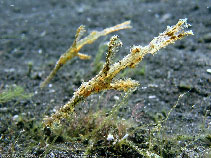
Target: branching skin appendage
[79, 43]
[105, 79]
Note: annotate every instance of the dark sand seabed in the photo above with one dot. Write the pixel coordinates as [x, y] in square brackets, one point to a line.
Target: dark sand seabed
[33, 35]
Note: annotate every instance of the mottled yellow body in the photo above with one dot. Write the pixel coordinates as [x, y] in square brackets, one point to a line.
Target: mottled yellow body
[79, 43]
[104, 80]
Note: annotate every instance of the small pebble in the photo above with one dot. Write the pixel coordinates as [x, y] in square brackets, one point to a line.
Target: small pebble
[110, 137]
[15, 118]
[152, 85]
[125, 137]
[152, 97]
[209, 71]
[116, 97]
